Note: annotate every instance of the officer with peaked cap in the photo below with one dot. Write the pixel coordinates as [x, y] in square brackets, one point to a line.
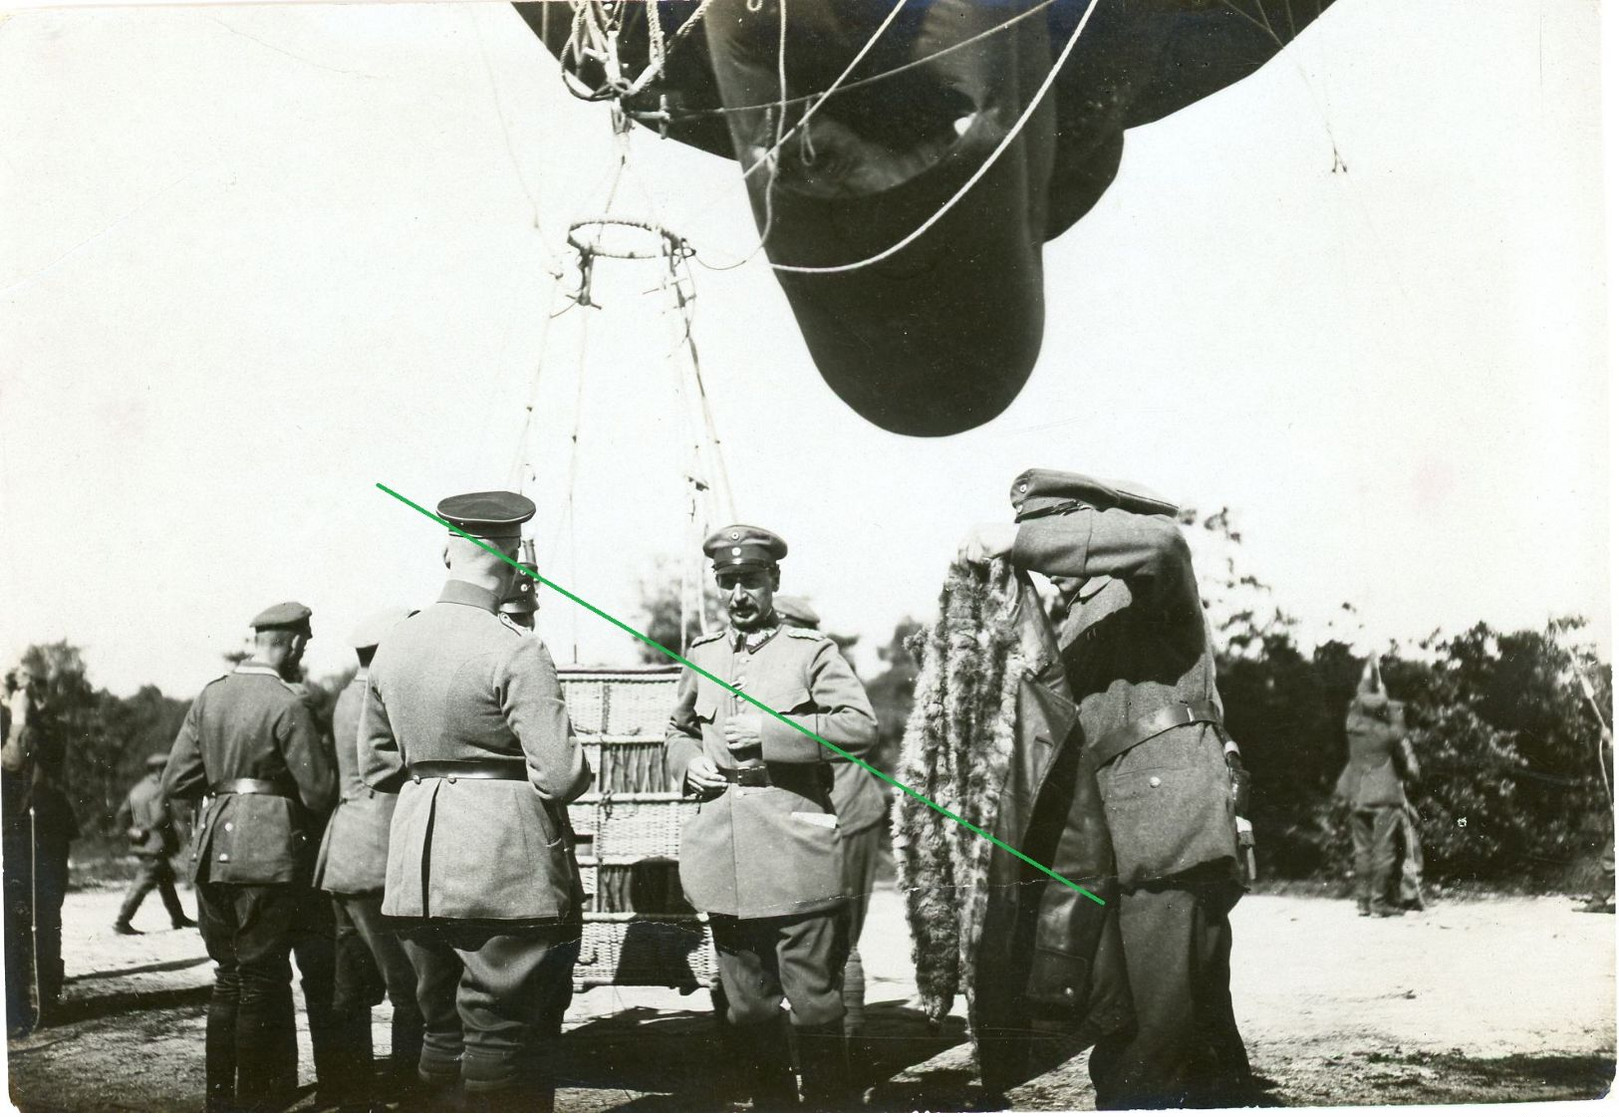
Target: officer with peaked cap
[353, 867]
[144, 816]
[1136, 649]
[464, 718]
[861, 805]
[250, 743]
[763, 854]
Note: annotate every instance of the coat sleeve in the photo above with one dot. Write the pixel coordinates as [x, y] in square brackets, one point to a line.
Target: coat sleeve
[683, 740]
[1148, 552]
[382, 764]
[842, 715]
[311, 764]
[531, 700]
[184, 776]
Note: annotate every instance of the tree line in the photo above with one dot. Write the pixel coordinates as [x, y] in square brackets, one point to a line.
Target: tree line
[1509, 729]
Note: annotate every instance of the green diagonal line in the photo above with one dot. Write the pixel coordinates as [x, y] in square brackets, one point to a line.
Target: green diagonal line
[742, 694]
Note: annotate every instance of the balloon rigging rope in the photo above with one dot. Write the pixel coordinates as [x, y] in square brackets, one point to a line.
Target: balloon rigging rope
[1000, 149]
[870, 79]
[782, 137]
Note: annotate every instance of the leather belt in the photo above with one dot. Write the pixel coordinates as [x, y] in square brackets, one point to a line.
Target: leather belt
[756, 776]
[1109, 746]
[452, 770]
[249, 787]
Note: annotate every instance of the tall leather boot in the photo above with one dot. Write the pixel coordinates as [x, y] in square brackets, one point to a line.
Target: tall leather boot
[767, 1066]
[823, 1062]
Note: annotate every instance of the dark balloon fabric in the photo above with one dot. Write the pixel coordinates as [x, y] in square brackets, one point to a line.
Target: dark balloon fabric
[942, 335]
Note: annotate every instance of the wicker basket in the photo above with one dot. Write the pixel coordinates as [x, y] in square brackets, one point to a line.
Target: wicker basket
[671, 952]
[623, 704]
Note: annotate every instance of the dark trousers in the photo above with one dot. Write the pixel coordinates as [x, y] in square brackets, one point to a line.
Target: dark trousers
[154, 871]
[35, 877]
[860, 850]
[385, 960]
[799, 957]
[1373, 830]
[1185, 1049]
[251, 1053]
[492, 1002]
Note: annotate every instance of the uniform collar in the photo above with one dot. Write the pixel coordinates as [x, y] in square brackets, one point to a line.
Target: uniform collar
[752, 641]
[254, 667]
[457, 592]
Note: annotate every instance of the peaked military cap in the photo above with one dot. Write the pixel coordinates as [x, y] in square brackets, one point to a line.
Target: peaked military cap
[292, 615]
[491, 515]
[1047, 492]
[369, 632]
[796, 611]
[741, 547]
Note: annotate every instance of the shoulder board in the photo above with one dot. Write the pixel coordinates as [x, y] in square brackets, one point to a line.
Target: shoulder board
[706, 638]
[805, 633]
[217, 679]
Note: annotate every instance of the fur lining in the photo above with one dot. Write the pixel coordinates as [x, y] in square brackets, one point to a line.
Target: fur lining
[957, 751]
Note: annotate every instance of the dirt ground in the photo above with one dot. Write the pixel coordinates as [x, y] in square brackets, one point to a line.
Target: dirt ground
[1477, 1000]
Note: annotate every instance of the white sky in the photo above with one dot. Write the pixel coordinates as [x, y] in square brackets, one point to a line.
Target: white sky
[255, 260]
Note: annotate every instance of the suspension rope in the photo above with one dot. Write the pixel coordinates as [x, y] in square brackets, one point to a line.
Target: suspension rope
[1000, 149]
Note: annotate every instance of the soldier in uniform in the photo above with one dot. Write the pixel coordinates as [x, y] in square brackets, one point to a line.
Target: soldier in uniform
[763, 855]
[352, 867]
[37, 819]
[250, 744]
[144, 816]
[861, 805]
[464, 718]
[1380, 758]
[1135, 646]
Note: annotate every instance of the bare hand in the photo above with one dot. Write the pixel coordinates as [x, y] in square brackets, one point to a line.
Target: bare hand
[987, 541]
[703, 776]
[744, 732]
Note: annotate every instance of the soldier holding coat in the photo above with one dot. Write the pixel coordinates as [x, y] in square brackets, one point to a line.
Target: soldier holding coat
[763, 855]
[1135, 646]
[464, 719]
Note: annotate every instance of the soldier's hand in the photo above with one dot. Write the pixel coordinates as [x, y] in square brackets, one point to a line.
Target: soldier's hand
[987, 541]
[703, 776]
[744, 732]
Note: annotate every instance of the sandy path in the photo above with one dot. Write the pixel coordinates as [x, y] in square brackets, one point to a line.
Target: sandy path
[1493, 999]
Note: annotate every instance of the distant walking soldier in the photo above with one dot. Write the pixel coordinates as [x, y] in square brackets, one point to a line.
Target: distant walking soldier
[38, 824]
[464, 718]
[1372, 783]
[353, 867]
[144, 817]
[250, 744]
[1135, 647]
[763, 856]
[861, 805]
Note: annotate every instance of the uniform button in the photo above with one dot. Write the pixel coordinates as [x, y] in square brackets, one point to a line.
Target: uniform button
[224, 857]
[229, 826]
[452, 779]
[415, 779]
[1154, 782]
